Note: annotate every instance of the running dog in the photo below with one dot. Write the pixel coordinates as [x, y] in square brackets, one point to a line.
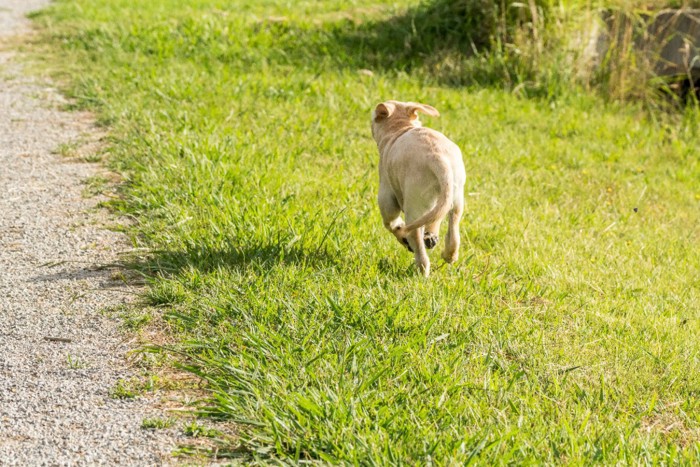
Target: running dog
[421, 173]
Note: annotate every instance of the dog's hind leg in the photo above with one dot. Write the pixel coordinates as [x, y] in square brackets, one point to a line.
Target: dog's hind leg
[391, 214]
[451, 251]
[415, 241]
[430, 237]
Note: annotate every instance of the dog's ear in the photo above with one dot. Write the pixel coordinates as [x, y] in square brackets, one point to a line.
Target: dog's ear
[414, 108]
[383, 110]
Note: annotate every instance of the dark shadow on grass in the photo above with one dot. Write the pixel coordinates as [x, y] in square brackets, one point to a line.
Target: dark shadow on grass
[252, 258]
[400, 268]
[421, 35]
[451, 41]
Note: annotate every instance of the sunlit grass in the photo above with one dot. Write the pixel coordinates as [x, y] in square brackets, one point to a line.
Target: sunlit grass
[567, 332]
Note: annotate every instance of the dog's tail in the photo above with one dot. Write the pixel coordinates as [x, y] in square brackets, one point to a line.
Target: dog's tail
[443, 172]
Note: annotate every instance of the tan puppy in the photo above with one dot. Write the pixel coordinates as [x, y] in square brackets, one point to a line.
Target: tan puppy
[421, 173]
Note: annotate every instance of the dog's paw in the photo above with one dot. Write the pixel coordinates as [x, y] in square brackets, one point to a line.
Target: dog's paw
[405, 243]
[450, 257]
[430, 240]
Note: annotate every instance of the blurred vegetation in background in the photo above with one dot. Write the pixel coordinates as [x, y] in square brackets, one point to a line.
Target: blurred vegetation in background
[537, 47]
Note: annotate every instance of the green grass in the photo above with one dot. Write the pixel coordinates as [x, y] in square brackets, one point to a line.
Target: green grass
[124, 389]
[157, 423]
[196, 430]
[566, 333]
[95, 185]
[75, 363]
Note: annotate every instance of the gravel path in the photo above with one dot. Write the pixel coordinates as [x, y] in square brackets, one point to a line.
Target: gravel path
[55, 404]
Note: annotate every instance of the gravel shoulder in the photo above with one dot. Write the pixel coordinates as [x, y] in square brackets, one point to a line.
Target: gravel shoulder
[56, 406]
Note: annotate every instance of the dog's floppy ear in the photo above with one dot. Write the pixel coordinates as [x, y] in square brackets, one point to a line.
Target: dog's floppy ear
[383, 110]
[414, 108]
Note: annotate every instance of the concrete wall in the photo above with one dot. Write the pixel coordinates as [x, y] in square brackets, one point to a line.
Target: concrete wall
[674, 37]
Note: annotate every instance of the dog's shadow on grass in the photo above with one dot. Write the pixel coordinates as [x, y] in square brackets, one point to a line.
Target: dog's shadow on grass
[399, 268]
[233, 258]
[252, 260]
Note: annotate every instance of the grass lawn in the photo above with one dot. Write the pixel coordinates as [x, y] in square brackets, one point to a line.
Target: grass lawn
[568, 331]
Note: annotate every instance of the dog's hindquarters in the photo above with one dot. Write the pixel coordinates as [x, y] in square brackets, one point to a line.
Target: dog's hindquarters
[427, 200]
